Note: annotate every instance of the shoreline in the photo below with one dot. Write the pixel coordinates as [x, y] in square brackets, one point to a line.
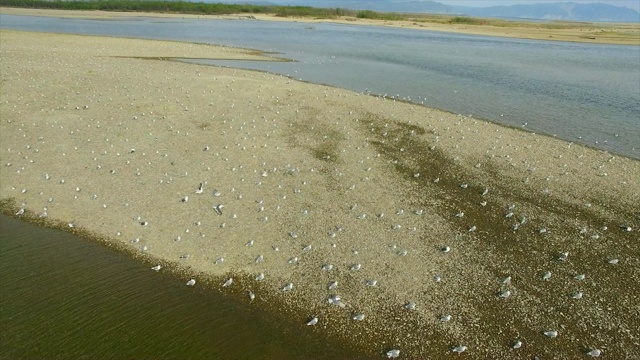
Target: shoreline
[295, 165]
[596, 33]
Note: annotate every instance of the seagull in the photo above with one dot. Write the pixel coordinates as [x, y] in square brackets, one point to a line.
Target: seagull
[333, 285]
[260, 258]
[459, 349]
[551, 333]
[577, 295]
[288, 287]
[228, 282]
[260, 277]
[157, 267]
[200, 189]
[563, 256]
[185, 199]
[218, 208]
[546, 275]
[595, 353]
[312, 321]
[410, 306]
[327, 267]
[293, 260]
[219, 261]
[191, 282]
[445, 318]
[505, 294]
[252, 296]
[445, 249]
[507, 280]
[472, 229]
[337, 300]
[20, 212]
[372, 282]
[579, 277]
[517, 344]
[358, 317]
[393, 353]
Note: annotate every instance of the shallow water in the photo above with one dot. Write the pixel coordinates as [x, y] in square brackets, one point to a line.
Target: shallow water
[586, 93]
[63, 297]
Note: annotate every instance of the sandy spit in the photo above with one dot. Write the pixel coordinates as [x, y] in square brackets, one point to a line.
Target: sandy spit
[597, 33]
[439, 209]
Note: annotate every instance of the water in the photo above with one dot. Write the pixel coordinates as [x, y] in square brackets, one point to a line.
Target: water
[586, 93]
[62, 297]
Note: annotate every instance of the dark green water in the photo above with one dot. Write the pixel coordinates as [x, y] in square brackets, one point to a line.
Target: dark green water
[63, 297]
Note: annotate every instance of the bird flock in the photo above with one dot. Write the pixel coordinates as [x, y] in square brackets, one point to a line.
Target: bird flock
[348, 216]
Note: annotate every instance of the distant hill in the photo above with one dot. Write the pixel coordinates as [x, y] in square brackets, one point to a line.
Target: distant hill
[559, 11]
[556, 11]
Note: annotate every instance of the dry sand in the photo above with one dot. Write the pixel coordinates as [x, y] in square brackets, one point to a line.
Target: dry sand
[95, 137]
[598, 33]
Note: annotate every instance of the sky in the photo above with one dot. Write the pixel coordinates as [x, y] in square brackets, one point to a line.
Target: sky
[632, 4]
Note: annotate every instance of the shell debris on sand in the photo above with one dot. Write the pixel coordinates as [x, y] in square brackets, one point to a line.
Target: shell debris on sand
[282, 165]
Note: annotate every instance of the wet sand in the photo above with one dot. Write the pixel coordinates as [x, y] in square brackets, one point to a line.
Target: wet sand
[597, 33]
[107, 137]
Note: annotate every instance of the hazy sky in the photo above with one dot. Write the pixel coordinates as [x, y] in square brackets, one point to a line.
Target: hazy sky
[632, 4]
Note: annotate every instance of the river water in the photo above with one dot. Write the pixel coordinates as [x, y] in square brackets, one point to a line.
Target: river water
[585, 93]
[63, 297]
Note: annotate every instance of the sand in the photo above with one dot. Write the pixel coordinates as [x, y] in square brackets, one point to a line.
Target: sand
[597, 33]
[100, 141]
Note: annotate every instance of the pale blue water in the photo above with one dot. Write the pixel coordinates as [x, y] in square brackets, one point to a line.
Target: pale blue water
[586, 93]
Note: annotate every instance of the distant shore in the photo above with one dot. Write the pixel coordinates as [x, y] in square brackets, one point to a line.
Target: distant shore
[436, 230]
[598, 33]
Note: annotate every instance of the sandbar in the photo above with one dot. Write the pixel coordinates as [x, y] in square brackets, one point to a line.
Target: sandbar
[416, 214]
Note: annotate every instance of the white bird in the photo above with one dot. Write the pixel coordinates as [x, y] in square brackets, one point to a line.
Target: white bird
[613, 261]
[228, 282]
[260, 277]
[260, 258]
[191, 282]
[218, 208]
[337, 300]
[445, 249]
[358, 317]
[252, 296]
[313, 321]
[579, 277]
[472, 229]
[577, 295]
[546, 276]
[507, 280]
[249, 243]
[563, 256]
[393, 353]
[327, 267]
[157, 267]
[517, 344]
[200, 189]
[293, 260]
[459, 349]
[20, 212]
[460, 214]
[185, 199]
[333, 285]
[219, 260]
[356, 267]
[505, 294]
[372, 282]
[288, 287]
[445, 318]
[595, 353]
[551, 333]
[410, 306]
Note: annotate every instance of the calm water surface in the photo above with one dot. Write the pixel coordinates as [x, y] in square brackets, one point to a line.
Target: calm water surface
[586, 93]
[63, 297]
